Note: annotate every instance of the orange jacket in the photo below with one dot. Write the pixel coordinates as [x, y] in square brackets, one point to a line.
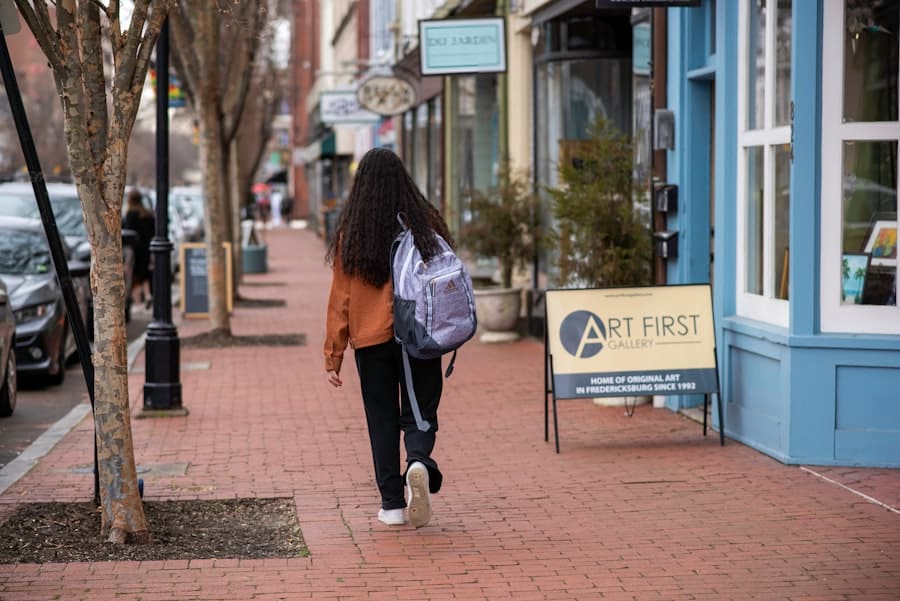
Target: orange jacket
[358, 312]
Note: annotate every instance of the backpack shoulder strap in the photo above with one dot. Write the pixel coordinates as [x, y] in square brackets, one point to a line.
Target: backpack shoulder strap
[421, 423]
[450, 366]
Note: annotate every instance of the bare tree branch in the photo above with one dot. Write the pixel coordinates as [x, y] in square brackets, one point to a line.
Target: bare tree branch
[38, 20]
[105, 10]
[236, 95]
[148, 42]
[125, 67]
[92, 59]
[185, 59]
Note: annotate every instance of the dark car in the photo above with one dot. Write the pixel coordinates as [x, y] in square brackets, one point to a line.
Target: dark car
[43, 340]
[17, 200]
[7, 355]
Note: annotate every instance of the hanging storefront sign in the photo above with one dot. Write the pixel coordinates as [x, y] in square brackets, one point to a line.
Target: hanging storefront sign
[640, 56]
[641, 3]
[342, 106]
[449, 46]
[386, 95]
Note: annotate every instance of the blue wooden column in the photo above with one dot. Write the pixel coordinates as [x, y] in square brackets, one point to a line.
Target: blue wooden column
[693, 71]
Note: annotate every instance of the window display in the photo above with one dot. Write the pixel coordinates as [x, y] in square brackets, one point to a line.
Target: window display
[860, 137]
[765, 169]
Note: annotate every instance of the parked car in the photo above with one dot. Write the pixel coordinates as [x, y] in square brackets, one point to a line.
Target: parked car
[43, 340]
[17, 200]
[7, 355]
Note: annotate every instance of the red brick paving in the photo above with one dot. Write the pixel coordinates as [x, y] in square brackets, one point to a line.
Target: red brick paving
[633, 508]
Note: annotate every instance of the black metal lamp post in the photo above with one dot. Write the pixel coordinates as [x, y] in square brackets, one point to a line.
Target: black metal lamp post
[162, 384]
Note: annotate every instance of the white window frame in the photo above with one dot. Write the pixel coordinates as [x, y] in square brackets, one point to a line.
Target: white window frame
[835, 317]
[764, 307]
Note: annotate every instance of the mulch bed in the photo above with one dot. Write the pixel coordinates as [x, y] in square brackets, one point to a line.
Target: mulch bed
[226, 529]
[251, 283]
[216, 339]
[257, 303]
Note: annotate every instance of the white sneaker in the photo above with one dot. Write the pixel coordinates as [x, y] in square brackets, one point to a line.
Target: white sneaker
[392, 517]
[418, 498]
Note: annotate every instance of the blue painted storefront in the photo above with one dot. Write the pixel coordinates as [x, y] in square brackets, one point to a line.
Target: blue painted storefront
[794, 393]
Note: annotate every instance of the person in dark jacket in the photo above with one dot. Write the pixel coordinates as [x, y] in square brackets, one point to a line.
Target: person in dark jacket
[140, 219]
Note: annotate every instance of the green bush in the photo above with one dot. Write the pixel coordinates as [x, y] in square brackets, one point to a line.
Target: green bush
[599, 238]
[504, 222]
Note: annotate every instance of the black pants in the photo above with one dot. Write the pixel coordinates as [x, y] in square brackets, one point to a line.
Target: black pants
[381, 377]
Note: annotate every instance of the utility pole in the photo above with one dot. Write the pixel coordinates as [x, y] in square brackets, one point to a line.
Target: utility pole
[162, 383]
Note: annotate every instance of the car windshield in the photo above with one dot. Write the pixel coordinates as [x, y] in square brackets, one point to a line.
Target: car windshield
[66, 209]
[23, 252]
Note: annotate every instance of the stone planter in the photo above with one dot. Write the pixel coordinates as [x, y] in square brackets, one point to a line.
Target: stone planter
[498, 312]
[253, 258]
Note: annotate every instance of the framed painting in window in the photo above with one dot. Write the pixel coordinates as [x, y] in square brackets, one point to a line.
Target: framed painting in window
[882, 242]
[854, 270]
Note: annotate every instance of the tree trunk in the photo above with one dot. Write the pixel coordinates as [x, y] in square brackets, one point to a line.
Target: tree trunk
[225, 190]
[234, 185]
[123, 513]
[211, 159]
[99, 115]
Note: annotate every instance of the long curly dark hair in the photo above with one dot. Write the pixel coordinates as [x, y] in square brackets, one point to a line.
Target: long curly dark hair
[368, 224]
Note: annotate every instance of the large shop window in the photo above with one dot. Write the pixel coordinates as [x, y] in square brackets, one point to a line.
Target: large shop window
[435, 152]
[421, 148]
[764, 164]
[860, 136]
[583, 70]
[571, 94]
[475, 135]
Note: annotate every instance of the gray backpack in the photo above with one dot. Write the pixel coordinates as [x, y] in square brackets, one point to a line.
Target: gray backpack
[434, 307]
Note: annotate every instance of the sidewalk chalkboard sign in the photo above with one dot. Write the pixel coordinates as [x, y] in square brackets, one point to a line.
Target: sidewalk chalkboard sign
[630, 342]
[194, 279]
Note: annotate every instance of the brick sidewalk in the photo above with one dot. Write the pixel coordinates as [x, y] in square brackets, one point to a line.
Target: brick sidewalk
[633, 508]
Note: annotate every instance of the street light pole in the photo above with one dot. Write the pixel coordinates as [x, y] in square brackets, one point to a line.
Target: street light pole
[162, 383]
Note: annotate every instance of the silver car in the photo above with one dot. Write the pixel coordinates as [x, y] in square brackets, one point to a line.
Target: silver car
[43, 341]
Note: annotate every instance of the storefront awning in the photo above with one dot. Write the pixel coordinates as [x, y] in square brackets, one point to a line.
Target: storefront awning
[554, 9]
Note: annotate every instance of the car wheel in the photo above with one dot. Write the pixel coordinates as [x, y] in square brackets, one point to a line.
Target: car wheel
[8, 391]
[60, 376]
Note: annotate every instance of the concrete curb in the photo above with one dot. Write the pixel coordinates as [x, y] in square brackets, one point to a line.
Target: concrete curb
[134, 349]
[44, 443]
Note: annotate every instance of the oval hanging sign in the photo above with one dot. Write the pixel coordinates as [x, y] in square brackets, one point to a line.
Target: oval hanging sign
[386, 95]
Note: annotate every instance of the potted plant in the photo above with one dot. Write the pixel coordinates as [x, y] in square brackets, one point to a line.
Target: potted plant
[503, 225]
[602, 235]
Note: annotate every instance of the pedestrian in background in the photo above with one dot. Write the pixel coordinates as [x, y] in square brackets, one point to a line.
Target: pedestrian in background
[139, 219]
[360, 311]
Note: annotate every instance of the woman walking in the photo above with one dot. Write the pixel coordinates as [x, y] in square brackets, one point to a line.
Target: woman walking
[360, 311]
[140, 219]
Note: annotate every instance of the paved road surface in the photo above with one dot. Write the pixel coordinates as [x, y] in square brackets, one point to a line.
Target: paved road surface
[38, 407]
